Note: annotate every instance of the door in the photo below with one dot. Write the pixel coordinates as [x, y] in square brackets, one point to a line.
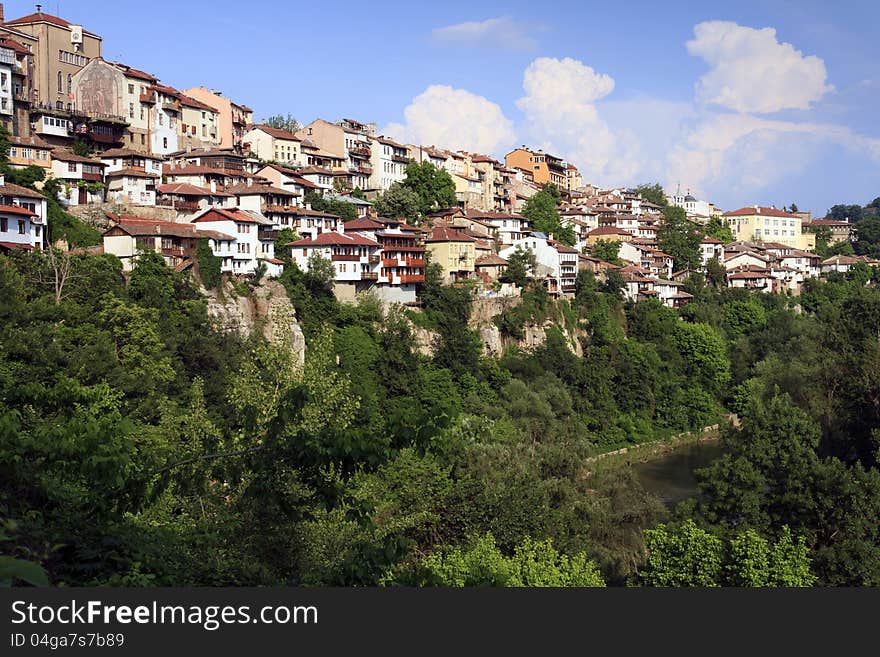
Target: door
[83, 196]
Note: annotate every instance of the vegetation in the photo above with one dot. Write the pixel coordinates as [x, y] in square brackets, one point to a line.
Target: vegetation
[607, 250]
[542, 210]
[139, 445]
[209, 264]
[282, 122]
[399, 202]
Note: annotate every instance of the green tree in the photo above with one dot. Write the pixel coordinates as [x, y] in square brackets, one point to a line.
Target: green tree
[679, 238]
[717, 229]
[81, 147]
[343, 209]
[686, 556]
[282, 122]
[433, 187]
[282, 240]
[704, 353]
[867, 237]
[652, 192]
[520, 267]
[399, 202]
[320, 273]
[543, 213]
[209, 264]
[607, 250]
[850, 213]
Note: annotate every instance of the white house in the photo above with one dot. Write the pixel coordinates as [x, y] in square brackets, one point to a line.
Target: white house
[241, 256]
[355, 259]
[75, 173]
[133, 186]
[166, 115]
[549, 259]
[510, 228]
[711, 248]
[388, 160]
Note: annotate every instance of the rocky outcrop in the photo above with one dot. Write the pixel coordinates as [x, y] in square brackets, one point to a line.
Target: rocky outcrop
[95, 214]
[266, 309]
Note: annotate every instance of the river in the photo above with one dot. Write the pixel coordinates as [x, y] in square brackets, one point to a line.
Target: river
[671, 476]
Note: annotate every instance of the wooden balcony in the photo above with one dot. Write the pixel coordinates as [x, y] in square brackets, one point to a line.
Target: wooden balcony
[94, 177]
[374, 260]
[369, 276]
[360, 152]
[400, 158]
[174, 251]
[147, 98]
[393, 262]
[180, 206]
[415, 262]
[412, 278]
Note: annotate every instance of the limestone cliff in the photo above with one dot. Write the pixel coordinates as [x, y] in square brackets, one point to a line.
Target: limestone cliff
[266, 309]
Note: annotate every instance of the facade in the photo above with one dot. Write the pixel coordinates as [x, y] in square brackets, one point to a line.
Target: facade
[355, 259]
[388, 161]
[543, 167]
[24, 217]
[164, 133]
[401, 259]
[188, 199]
[767, 224]
[508, 228]
[232, 118]
[242, 255]
[22, 71]
[711, 248]
[693, 207]
[82, 178]
[454, 251]
[137, 99]
[62, 50]
[132, 186]
[29, 151]
[274, 144]
[199, 125]
[556, 263]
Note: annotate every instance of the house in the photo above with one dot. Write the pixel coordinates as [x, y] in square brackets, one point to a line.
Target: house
[490, 267]
[388, 160]
[133, 90]
[751, 277]
[320, 178]
[176, 242]
[130, 185]
[454, 251]
[608, 234]
[402, 256]
[17, 57]
[670, 293]
[355, 259]
[254, 240]
[508, 228]
[198, 125]
[286, 178]
[189, 199]
[165, 118]
[306, 221]
[567, 258]
[29, 151]
[843, 263]
[274, 144]
[841, 231]
[767, 224]
[654, 260]
[696, 210]
[276, 204]
[20, 228]
[232, 118]
[350, 141]
[82, 177]
[363, 207]
[556, 264]
[544, 167]
[116, 159]
[711, 248]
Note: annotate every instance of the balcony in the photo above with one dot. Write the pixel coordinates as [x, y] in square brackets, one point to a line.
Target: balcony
[267, 234]
[404, 159]
[369, 276]
[415, 262]
[180, 206]
[393, 262]
[178, 251]
[340, 257]
[374, 260]
[94, 177]
[411, 278]
[171, 105]
[278, 209]
[147, 98]
[359, 152]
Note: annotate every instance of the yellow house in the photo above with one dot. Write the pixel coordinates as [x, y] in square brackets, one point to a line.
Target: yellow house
[763, 224]
[29, 151]
[454, 251]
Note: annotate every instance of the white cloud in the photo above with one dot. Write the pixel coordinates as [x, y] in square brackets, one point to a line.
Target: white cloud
[752, 71]
[454, 118]
[562, 117]
[503, 32]
[746, 153]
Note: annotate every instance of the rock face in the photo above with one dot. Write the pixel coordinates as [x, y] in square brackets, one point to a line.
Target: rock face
[267, 309]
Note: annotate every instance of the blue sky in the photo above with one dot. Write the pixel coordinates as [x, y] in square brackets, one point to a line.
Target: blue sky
[767, 102]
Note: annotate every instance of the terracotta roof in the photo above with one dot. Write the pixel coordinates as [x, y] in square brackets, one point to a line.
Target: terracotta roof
[364, 223]
[390, 142]
[608, 230]
[185, 189]
[332, 238]
[760, 210]
[47, 18]
[67, 156]
[746, 275]
[16, 245]
[33, 141]
[11, 189]
[14, 209]
[131, 173]
[490, 259]
[127, 152]
[309, 170]
[232, 214]
[829, 222]
[277, 133]
[274, 261]
[12, 44]
[562, 248]
[192, 102]
[443, 234]
[243, 189]
[189, 169]
[711, 240]
[136, 73]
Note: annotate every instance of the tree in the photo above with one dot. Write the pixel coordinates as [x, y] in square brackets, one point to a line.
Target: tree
[717, 229]
[653, 193]
[433, 187]
[867, 238]
[704, 353]
[679, 238]
[399, 202]
[320, 273]
[520, 267]
[209, 264]
[716, 273]
[282, 122]
[850, 213]
[81, 147]
[606, 250]
[687, 556]
[285, 237]
[543, 213]
[343, 209]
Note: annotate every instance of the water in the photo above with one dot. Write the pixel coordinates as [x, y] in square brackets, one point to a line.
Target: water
[671, 477]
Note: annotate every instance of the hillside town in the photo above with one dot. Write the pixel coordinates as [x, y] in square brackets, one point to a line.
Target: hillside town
[163, 168]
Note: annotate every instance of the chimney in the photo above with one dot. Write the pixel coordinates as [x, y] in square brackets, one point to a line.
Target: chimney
[1, 13]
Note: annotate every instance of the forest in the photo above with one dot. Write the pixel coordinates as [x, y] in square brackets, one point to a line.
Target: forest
[142, 446]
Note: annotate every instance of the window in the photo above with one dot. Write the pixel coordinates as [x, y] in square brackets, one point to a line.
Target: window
[131, 110]
[21, 226]
[131, 88]
[60, 90]
[164, 142]
[13, 151]
[71, 166]
[142, 113]
[69, 84]
[161, 119]
[143, 140]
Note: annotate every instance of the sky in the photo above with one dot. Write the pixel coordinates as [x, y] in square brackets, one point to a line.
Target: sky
[772, 102]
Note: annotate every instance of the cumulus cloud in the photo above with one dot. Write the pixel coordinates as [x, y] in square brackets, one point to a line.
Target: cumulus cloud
[500, 32]
[454, 118]
[561, 115]
[746, 153]
[751, 71]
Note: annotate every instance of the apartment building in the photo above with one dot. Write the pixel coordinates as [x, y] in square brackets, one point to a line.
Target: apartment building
[767, 224]
[274, 144]
[232, 118]
[544, 167]
[388, 160]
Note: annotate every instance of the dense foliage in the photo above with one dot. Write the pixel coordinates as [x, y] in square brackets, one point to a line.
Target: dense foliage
[542, 211]
[139, 445]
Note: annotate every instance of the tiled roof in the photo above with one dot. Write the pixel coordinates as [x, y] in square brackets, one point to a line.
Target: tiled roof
[131, 173]
[243, 189]
[67, 156]
[34, 142]
[12, 44]
[443, 234]
[185, 189]
[11, 189]
[332, 238]
[490, 259]
[363, 223]
[14, 209]
[760, 210]
[277, 133]
[219, 214]
[608, 230]
[127, 152]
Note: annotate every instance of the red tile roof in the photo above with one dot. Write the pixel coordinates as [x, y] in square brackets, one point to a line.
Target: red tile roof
[332, 238]
[131, 173]
[219, 214]
[33, 141]
[608, 230]
[760, 210]
[127, 152]
[136, 73]
[11, 189]
[443, 234]
[16, 245]
[277, 133]
[14, 209]
[185, 189]
[6, 42]
[67, 156]
[363, 224]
